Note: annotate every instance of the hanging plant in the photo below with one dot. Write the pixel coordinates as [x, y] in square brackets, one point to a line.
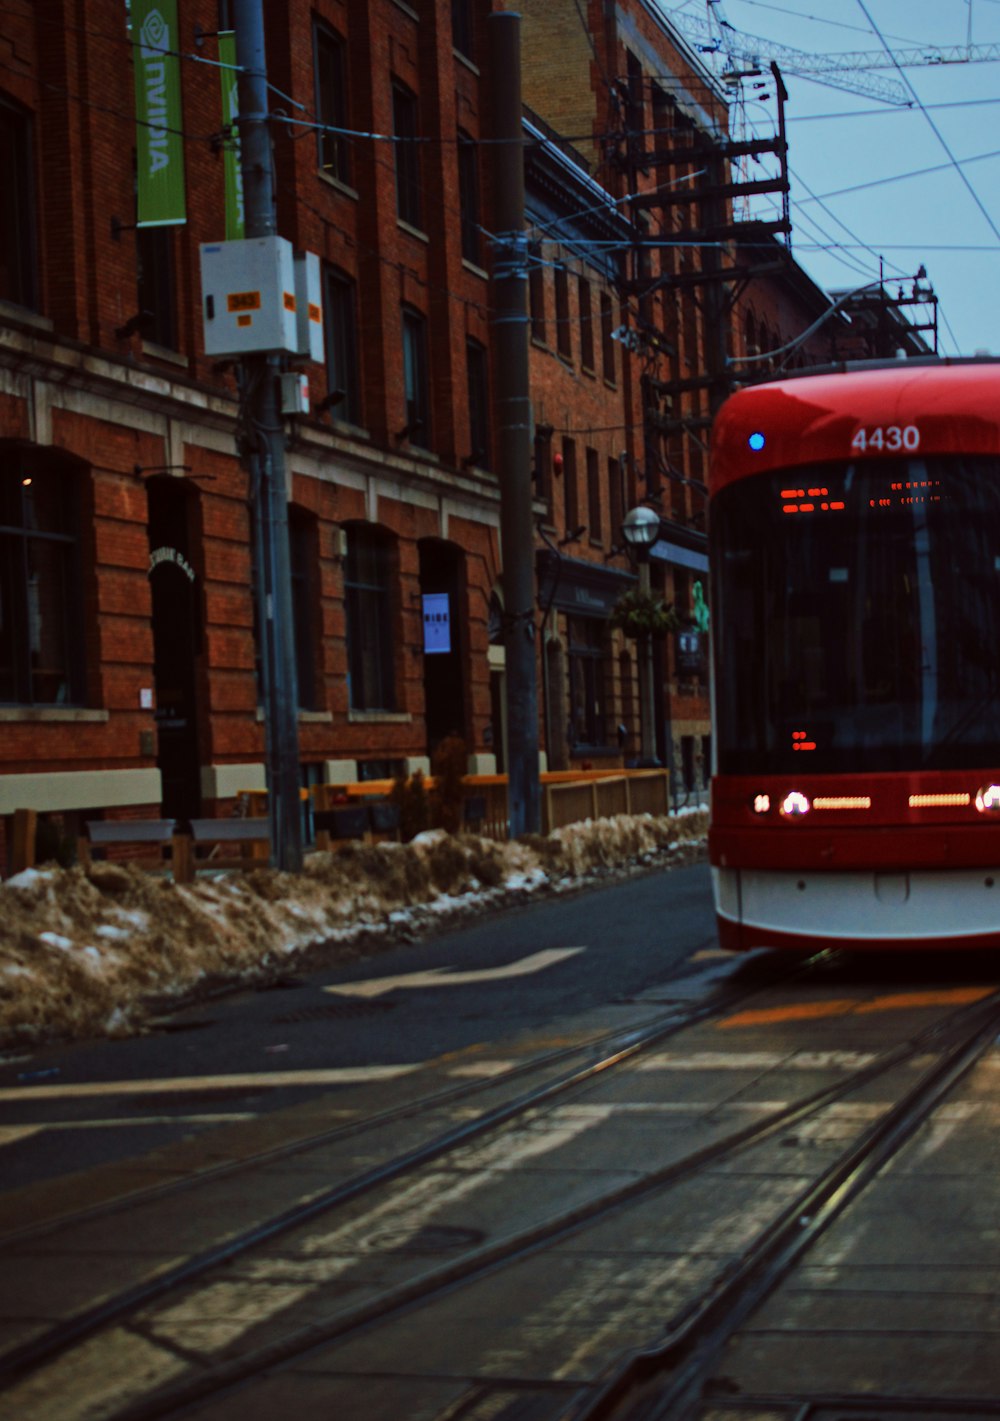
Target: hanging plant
[640, 614]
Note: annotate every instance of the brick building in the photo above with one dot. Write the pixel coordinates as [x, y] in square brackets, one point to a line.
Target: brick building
[128, 670]
[127, 651]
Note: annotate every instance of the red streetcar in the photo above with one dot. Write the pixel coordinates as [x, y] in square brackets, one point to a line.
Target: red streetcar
[855, 554]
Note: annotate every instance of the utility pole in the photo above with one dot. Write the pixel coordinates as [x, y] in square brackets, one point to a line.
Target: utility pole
[265, 444]
[513, 409]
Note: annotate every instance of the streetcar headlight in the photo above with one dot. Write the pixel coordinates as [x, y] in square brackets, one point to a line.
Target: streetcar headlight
[988, 800]
[761, 804]
[794, 804]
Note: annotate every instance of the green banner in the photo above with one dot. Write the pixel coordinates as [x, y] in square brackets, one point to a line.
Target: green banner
[159, 144]
[231, 148]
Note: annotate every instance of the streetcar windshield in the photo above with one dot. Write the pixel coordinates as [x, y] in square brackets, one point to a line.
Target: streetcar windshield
[856, 617]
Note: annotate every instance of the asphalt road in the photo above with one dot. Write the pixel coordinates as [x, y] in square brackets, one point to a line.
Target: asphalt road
[74, 1105]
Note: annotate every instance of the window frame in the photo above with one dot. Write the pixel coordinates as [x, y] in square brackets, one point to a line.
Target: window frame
[156, 285]
[406, 128]
[330, 67]
[416, 377]
[469, 198]
[369, 616]
[16, 569]
[19, 225]
[477, 370]
[340, 341]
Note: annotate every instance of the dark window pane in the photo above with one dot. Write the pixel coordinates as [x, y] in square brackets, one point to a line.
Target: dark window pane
[587, 681]
[408, 194]
[607, 337]
[368, 580]
[17, 221]
[594, 496]
[571, 494]
[155, 255]
[463, 26]
[303, 547]
[331, 104]
[479, 403]
[586, 325]
[341, 331]
[564, 339]
[415, 377]
[41, 631]
[536, 291]
[468, 190]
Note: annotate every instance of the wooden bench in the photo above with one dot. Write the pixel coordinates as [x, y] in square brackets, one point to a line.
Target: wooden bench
[154, 841]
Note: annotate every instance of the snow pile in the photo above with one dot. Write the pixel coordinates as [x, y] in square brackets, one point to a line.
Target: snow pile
[85, 953]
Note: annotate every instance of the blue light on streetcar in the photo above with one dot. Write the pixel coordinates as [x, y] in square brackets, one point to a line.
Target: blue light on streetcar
[756, 441]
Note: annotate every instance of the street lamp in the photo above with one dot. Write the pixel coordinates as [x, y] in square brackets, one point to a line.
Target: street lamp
[641, 528]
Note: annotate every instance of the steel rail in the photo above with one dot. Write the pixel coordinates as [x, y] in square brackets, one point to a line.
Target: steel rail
[618, 1047]
[696, 1339]
[303, 1342]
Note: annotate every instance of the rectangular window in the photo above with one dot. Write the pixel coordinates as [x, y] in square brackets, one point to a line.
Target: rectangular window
[596, 524]
[41, 631]
[334, 147]
[587, 681]
[17, 214]
[303, 548]
[571, 494]
[157, 301]
[368, 580]
[536, 292]
[635, 112]
[616, 501]
[586, 324]
[463, 27]
[409, 204]
[564, 340]
[341, 335]
[468, 197]
[607, 338]
[477, 371]
[543, 462]
[417, 429]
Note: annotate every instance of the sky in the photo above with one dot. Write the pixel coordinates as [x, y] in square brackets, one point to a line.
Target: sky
[874, 182]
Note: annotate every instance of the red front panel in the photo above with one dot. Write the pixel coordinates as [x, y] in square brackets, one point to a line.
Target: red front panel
[906, 409]
[878, 822]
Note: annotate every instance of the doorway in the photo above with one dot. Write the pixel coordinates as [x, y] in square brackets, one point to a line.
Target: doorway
[442, 598]
[177, 643]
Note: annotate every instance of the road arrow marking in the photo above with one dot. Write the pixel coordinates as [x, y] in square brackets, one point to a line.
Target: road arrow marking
[446, 977]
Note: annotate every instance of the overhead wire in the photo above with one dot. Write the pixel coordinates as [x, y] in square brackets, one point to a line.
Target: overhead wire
[933, 126]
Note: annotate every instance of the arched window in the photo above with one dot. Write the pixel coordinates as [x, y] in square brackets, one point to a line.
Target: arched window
[369, 581]
[41, 614]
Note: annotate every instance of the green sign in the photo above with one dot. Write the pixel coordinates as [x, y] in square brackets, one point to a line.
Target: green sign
[159, 120]
[231, 150]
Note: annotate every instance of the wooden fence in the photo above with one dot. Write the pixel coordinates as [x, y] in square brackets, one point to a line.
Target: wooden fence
[568, 797]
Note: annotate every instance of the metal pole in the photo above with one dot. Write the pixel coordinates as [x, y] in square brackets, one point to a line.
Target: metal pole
[513, 419]
[647, 716]
[269, 497]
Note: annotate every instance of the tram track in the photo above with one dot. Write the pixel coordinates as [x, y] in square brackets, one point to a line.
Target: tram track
[142, 1307]
[583, 1063]
[663, 1382]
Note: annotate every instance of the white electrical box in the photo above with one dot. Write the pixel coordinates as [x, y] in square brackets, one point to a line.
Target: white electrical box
[250, 304]
[294, 392]
[309, 306]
